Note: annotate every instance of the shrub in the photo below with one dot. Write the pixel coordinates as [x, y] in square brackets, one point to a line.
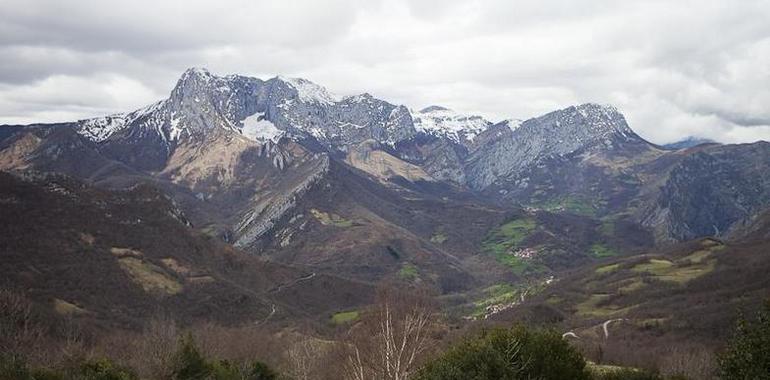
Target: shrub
[260, 371]
[102, 369]
[627, 374]
[748, 353]
[225, 370]
[13, 368]
[508, 354]
[189, 363]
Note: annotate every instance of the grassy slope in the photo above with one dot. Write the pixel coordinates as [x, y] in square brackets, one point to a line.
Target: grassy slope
[690, 292]
[118, 258]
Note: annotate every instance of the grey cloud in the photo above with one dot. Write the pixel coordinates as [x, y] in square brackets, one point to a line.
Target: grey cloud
[674, 68]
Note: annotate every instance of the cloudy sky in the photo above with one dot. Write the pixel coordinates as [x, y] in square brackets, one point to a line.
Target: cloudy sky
[674, 68]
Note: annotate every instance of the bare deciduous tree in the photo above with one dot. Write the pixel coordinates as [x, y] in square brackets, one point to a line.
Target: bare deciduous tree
[692, 361]
[156, 348]
[304, 358]
[18, 330]
[391, 339]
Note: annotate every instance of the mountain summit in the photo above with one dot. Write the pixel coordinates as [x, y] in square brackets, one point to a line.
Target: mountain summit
[249, 150]
[512, 146]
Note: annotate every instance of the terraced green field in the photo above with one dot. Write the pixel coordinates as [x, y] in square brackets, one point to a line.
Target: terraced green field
[408, 272]
[331, 219]
[438, 238]
[600, 250]
[345, 317]
[574, 205]
[506, 239]
[607, 268]
[683, 271]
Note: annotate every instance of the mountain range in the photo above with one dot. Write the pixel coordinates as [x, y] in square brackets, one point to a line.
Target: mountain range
[361, 190]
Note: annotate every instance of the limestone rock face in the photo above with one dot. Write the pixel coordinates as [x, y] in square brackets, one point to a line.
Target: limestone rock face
[242, 152]
[506, 153]
[711, 191]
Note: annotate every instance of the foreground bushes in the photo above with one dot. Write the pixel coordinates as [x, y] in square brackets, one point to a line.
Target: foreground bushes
[748, 354]
[508, 354]
[188, 364]
[629, 374]
[14, 368]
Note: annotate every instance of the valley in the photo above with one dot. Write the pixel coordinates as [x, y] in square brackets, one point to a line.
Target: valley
[239, 201]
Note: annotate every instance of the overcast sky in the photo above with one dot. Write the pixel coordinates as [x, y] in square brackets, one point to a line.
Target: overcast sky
[674, 68]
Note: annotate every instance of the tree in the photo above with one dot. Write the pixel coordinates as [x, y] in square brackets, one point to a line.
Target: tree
[156, 348]
[748, 353]
[189, 363]
[19, 331]
[391, 338]
[508, 354]
[631, 374]
[103, 369]
[260, 371]
[304, 358]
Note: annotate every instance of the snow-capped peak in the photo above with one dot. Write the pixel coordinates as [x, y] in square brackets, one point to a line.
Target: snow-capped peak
[202, 71]
[309, 91]
[513, 124]
[99, 129]
[358, 98]
[596, 110]
[444, 122]
[197, 73]
[430, 109]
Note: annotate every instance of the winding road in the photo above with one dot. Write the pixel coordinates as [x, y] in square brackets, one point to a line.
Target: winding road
[606, 325]
[605, 328]
[280, 287]
[290, 284]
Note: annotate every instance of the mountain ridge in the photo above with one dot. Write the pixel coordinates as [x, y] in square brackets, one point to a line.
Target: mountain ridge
[240, 153]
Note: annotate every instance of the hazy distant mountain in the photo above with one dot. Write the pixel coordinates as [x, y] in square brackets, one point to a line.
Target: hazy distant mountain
[688, 142]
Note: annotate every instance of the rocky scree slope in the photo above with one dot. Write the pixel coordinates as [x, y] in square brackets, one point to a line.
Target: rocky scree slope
[238, 153]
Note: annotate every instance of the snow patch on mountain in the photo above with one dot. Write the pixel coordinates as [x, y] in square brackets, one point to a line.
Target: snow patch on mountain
[257, 128]
[443, 122]
[100, 128]
[175, 130]
[513, 124]
[310, 92]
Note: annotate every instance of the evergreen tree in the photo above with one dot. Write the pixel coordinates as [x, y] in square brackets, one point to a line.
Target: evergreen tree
[748, 353]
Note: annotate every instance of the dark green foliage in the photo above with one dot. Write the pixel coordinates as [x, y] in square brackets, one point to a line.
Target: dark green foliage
[260, 371]
[393, 252]
[47, 374]
[14, 368]
[628, 374]
[508, 354]
[189, 363]
[748, 354]
[225, 370]
[102, 369]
